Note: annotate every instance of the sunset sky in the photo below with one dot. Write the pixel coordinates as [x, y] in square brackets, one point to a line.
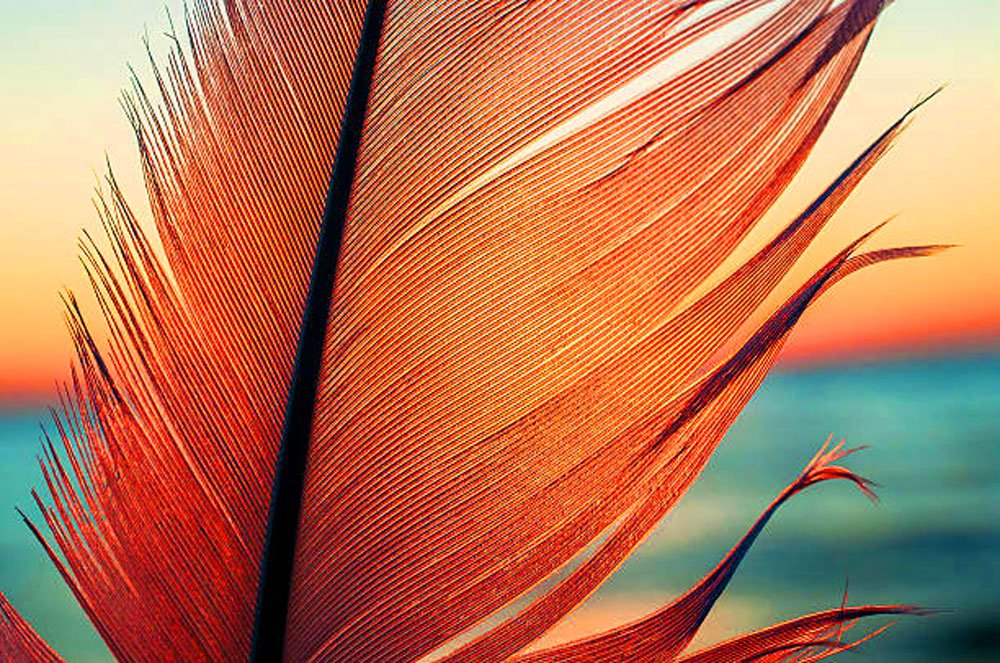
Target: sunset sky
[63, 62]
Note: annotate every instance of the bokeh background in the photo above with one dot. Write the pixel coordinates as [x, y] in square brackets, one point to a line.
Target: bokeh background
[905, 358]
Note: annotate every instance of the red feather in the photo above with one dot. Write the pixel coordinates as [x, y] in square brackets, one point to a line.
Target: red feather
[530, 351]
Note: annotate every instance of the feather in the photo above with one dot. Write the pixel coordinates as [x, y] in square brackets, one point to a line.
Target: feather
[810, 638]
[20, 642]
[666, 633]
[381, 406]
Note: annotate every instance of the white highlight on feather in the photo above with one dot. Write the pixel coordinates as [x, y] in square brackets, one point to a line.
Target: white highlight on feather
[652, 79]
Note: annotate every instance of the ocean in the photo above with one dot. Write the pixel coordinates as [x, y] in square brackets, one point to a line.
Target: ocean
[933, 427]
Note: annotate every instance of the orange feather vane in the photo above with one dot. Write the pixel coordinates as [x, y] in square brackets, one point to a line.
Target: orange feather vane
[529, 353]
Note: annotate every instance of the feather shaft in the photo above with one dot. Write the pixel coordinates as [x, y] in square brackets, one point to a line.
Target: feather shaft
[286, 500]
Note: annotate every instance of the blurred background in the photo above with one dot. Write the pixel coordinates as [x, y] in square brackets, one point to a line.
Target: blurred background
[905, 358]
[933, 425]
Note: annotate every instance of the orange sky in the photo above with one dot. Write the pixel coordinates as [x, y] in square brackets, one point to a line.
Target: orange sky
[61, 72]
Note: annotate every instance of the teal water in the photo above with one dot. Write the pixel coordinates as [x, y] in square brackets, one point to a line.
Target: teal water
[934, 429]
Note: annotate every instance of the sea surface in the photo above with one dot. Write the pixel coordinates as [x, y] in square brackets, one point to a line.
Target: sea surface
[933, 427]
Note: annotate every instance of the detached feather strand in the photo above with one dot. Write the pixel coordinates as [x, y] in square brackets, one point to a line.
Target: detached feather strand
[666, 633]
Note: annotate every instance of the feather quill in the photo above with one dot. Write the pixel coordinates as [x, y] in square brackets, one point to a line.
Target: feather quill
[519, 341]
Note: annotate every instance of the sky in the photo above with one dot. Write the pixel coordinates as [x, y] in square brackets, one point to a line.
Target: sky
[63, 63]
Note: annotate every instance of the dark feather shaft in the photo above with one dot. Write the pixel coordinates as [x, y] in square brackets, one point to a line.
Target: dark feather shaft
[286, 499]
